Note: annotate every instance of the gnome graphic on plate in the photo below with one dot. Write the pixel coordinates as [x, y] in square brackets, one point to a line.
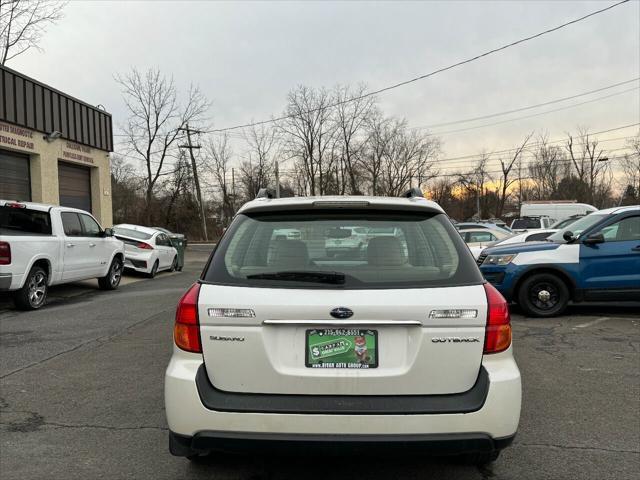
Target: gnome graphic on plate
[361, 349]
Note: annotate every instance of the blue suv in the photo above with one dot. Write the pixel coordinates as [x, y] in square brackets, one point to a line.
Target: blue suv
[596, 258]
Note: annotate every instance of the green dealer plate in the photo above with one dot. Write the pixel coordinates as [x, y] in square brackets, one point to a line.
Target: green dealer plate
[341, 348]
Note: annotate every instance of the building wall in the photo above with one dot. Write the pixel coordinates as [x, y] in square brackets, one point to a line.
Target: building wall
[44, 158]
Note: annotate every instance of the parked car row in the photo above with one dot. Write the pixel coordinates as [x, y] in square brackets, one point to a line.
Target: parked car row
[595, 257]
[45, 245]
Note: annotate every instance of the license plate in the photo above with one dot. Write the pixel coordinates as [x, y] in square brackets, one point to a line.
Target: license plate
[341, 348]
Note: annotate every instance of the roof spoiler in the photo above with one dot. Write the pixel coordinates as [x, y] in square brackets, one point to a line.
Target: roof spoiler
[413, 193]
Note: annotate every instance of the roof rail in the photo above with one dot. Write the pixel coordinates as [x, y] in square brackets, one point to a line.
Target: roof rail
[265, 193]
[413, 193]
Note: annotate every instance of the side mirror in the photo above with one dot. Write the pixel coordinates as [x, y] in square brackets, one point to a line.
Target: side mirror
[568, 236]
[108, 232]
[594, 238]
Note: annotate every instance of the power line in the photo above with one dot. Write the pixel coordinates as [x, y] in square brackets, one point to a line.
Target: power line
[566, 107]
[623, 127]
[427, 75]
[463, 158]
[529, 107]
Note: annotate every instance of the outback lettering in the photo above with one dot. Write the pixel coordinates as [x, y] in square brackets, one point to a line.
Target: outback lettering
[455, 339]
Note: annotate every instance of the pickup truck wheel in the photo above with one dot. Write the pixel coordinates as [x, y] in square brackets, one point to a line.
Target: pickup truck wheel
[154, 270]
[112, 280]
[543, 295]
[34, 292]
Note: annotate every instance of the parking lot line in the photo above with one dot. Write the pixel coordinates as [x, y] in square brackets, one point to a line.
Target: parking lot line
[593, 322]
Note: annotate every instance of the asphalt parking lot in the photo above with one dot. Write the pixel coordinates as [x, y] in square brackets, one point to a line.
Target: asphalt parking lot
[81, 386]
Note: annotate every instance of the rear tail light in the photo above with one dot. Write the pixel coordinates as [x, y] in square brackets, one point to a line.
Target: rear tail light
[497, 337]
[186, 331]
[5, 253]
[144, 246]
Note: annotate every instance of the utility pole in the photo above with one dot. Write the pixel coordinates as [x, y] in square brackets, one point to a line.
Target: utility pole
[277, 180]
[191, 147]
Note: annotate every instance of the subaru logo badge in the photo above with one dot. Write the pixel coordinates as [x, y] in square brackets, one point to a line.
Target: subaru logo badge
[341, 312]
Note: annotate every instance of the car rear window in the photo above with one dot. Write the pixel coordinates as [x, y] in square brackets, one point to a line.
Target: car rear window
[400, 250]
[128, 232]
[526, 223]
[24, 221]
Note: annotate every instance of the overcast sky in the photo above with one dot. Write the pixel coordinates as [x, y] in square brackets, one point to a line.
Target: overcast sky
[247, 56]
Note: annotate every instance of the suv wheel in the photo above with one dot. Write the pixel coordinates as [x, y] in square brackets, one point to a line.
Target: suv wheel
[543, 295]
[112, 280]
[34, 292]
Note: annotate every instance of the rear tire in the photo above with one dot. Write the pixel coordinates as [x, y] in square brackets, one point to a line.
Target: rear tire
[154, 270]
[33, 293]
[111, 280]
[174, 264]
[543, 295]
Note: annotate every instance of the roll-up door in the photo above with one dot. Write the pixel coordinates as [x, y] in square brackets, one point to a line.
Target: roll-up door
[74, 185]
[15, 182]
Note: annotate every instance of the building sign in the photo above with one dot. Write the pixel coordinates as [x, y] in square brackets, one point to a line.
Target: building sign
[16, 136]
[78, 153]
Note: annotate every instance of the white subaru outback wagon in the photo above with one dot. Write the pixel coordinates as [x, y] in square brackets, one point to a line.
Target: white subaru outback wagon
[400, 343]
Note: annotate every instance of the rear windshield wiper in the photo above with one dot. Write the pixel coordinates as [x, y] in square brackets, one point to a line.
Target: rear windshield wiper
[301, 276]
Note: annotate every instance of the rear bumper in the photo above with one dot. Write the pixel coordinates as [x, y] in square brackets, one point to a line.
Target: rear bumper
[138, 262]
[187, 416]
[5, 281]
[295, 444]
[220, 401]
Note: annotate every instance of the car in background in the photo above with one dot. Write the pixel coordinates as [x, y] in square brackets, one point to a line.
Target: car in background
[45, 245]
[475, 237]
[287, 234]
[532, 236]
[531, 223]
[173, 235]
[566, 222]
[528, 236]
[147, 250]
[482, 224]
[596, 258]
[279, 346]
[346, 240]
[558, 209]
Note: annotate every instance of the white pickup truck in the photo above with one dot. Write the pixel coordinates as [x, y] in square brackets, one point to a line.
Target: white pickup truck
[44, 245]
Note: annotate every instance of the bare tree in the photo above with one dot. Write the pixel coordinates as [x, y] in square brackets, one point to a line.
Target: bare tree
[630, 179]
[589, 162]
[547, 169]
[380, 131]
[156, 117]
[474, 182]
[351, 121]
[506, 179]
[258, 170]
[177, 184]
[408, 158]
[125, 186]
[23, 23]
[218, 156]
[309, 133]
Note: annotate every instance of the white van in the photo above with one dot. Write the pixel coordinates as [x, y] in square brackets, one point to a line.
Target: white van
[558, 210]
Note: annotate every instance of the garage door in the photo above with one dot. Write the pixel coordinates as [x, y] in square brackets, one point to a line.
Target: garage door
[15, 183]
[74, 184]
